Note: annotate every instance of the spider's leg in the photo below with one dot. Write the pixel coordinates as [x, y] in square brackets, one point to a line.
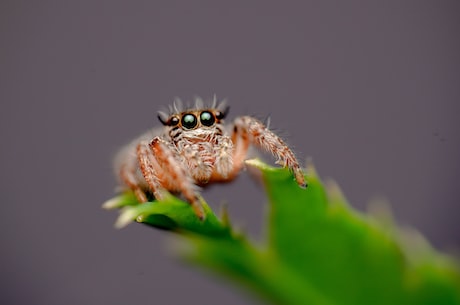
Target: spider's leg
[150, 168]
[129, 179]
[126, 165]
[249, 130]
[127, 173]
[240, 141]
[162, 170]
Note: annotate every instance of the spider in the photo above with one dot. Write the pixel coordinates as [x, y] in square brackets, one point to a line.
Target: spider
[194, 149]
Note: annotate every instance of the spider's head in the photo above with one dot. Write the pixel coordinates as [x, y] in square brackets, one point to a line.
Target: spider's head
[194, 118]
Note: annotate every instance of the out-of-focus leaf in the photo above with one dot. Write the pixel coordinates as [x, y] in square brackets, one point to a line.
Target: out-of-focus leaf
[318, 249]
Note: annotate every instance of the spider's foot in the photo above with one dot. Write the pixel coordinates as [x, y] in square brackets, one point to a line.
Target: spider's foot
[300, 178]
[198, 209]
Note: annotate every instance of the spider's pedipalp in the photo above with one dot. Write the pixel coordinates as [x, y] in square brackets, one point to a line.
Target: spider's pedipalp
[224, 158]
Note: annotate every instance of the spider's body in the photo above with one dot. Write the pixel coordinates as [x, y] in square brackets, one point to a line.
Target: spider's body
[194, 149]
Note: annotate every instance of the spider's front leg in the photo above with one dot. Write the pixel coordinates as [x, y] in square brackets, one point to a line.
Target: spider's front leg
[248, 130]
[162, 170]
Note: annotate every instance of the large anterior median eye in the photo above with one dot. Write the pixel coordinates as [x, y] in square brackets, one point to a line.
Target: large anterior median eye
[206, 118]
[189, 121]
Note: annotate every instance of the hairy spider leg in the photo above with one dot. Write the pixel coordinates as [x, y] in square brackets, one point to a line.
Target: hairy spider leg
[128, 176]
[240, 141]
[149, 167]
[249, 130]
[158, 158]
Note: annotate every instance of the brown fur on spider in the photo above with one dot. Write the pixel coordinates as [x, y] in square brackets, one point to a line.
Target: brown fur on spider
[194, 149]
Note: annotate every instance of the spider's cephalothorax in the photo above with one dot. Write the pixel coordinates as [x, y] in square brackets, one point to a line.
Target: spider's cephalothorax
[195, 148]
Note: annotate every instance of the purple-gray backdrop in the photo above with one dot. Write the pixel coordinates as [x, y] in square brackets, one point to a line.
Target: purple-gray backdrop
[369, 90]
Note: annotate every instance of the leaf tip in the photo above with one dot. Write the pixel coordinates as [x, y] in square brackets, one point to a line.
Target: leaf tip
[310, 169]
[111, 204]
[224, 216]
[126, 217]
[257, 163]
[380, 209]
[335, 193]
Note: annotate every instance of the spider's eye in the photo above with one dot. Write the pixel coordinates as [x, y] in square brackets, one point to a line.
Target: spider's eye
[206, 118]
[189, 121]
[219, 115]
[222, 114]
[173, 121]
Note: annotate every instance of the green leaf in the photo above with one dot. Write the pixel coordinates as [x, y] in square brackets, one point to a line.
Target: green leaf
[318, 249]
[170, 213]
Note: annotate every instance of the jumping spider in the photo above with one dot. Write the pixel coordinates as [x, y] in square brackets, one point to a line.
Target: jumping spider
[196, 148]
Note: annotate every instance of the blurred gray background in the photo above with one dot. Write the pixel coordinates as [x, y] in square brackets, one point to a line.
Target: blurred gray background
[369, 90]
